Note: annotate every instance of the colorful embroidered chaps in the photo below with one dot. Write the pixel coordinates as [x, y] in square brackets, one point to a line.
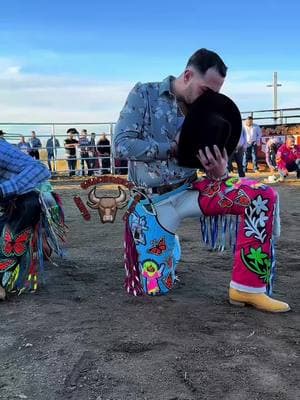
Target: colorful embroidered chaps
[152, 250]
[255, 204]
[30, 226]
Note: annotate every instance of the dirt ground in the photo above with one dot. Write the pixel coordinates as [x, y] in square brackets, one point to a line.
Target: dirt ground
[81, 337]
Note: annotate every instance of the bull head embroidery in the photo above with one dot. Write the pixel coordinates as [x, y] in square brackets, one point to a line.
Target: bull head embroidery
[107, 206]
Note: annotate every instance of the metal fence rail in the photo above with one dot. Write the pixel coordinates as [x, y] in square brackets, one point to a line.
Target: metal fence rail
[44, 130]
[281, 116]
[59, 165]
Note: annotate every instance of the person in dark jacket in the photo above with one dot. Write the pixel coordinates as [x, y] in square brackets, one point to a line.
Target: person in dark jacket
[103, 147]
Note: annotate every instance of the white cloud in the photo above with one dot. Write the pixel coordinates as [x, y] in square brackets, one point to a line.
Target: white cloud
[249, 89]
[31, 97]
[28, 97]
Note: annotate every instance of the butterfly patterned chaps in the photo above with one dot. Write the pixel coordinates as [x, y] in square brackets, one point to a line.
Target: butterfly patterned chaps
[152, 248]
[26, 240]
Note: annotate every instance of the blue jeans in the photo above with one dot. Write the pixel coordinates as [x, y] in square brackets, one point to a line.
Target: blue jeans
[272, 158]
[238, 157]
[50, 157]
[72, 165]
[295, 166]
[250, 155]
[85, 159]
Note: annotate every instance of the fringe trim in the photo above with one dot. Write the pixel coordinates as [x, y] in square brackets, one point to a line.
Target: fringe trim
[220, 231]
[273, 270]
[276, 221]
[53, 221]
[132, 282]
[275, 236]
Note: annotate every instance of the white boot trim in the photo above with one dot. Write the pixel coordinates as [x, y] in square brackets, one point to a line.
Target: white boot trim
[247, 289]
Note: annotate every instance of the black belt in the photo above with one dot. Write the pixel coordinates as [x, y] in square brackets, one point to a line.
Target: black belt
[168, 188]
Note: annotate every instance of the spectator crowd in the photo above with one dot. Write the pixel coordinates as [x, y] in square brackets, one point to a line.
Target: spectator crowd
[281, 157]
[87, 156]
[83, 153]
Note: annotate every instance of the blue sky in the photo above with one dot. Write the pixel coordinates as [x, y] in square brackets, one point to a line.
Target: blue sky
[65, 61]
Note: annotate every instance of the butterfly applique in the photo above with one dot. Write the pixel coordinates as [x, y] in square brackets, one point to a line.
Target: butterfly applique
[212, 189]
[6, 263]
[225, 202]
[169, 281]
[159, 247]
[15, 245]
[170, 262]
[242, 199]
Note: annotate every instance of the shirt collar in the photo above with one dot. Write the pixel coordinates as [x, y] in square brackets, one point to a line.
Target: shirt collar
[165, 86]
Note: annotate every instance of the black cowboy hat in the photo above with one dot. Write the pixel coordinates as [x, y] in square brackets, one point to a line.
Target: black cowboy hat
[212, 119]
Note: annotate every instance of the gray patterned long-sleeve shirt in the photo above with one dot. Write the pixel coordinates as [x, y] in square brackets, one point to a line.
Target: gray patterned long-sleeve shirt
[148, 123]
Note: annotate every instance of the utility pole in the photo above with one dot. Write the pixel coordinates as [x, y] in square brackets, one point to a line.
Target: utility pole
[275, 85]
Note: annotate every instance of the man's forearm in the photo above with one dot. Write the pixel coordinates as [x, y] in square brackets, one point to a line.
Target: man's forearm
[25, 181]
[130, 148]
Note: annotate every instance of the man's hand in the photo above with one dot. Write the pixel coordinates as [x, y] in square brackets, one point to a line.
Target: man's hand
[173, 149]
[174, 146]
[215, 167]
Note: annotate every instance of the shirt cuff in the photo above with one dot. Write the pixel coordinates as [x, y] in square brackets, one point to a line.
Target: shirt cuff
[8, 189]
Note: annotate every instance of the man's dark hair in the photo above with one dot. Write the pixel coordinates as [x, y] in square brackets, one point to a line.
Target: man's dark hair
[72, 130]
[204, 59]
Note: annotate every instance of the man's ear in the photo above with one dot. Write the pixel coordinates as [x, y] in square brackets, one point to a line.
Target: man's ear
[187, 75]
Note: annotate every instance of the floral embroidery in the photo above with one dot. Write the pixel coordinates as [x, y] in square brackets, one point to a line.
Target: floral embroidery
[262, 218]
[258, 262]
[260, 204]
[256, 218]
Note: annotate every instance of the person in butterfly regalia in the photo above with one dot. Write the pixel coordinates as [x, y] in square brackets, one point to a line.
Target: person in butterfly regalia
[167, 130]
[31, 222]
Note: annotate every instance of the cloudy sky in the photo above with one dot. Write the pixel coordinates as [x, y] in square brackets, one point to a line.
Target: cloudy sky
[66, 62]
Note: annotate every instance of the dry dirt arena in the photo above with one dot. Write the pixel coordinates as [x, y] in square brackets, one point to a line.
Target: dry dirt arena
[81, 337]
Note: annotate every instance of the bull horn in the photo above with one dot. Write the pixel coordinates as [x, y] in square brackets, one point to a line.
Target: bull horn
[122, 196]
[93, 199]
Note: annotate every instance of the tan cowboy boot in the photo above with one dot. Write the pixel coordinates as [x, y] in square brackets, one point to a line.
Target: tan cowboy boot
[2, 293]
[258, 300]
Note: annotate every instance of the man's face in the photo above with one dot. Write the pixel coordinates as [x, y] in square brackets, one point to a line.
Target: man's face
[290, 142]
[249, 122]
[70, 135]
[196, 84]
